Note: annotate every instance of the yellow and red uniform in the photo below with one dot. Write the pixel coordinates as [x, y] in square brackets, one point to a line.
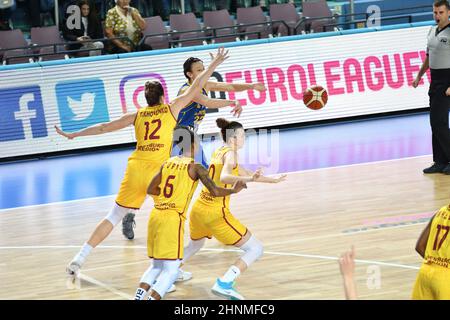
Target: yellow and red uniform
[433, 280]
[211, 216]
[166, 223]
[153, 131]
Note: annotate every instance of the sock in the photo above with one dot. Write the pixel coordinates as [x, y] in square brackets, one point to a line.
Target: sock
[83, 254]
[231, 274]
[140, 294]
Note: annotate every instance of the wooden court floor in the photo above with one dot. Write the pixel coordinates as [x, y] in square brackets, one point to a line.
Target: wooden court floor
[305, 223]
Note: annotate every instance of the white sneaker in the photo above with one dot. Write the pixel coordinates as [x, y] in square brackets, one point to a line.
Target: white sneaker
[171, 289]
[73, 269]
[183, 276]
[226, 290]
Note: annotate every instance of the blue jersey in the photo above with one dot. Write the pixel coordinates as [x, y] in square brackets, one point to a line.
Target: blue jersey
[192, 114]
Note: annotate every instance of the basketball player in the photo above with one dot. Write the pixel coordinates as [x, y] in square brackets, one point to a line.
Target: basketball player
[433, 280]
[153, 130]
[211, 216]
[193, 114]
[172, 189]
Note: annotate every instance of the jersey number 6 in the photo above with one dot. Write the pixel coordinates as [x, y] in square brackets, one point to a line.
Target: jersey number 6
[168, 187]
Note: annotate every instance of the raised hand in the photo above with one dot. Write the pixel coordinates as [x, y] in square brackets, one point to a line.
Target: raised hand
[220, 56]
[237, 110]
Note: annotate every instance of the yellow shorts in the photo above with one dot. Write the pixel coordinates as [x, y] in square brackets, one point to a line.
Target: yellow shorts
[206, 222]
[165, 235]
[433, 283]
[133, 188]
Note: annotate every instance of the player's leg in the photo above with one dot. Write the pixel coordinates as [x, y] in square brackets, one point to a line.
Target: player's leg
[198, 233]
[146, 171]
[100, 233]
[233, 232]
[148, 279]
[165, 280]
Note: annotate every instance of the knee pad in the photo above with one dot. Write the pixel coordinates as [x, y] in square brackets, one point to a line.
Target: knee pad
[253, 250]
[116, 214]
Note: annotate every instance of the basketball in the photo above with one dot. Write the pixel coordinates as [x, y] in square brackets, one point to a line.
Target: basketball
[315, 97]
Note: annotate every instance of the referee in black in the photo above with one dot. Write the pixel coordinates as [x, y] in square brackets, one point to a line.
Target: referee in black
[438, 60]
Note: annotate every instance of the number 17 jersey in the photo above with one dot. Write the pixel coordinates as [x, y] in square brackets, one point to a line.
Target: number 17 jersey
[438, 245]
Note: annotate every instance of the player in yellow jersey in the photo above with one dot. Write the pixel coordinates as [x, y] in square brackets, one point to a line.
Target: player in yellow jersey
[153, 129]
[172, 189]
[433, 280]
[210, 215]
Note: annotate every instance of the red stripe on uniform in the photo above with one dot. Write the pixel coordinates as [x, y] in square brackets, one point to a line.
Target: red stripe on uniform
[179, 237]
[223, 211]
[126, 207]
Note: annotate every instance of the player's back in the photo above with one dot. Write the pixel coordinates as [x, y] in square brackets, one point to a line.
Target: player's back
[214, 171]
[438, 246]
[154, 131]
[177, 186]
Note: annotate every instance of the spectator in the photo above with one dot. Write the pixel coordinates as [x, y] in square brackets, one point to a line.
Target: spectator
[5, 14]
[89, 28]
[124, 21]
[347, 266]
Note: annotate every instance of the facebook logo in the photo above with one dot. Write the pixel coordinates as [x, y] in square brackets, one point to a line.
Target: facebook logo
[81, 103]
[22, 115]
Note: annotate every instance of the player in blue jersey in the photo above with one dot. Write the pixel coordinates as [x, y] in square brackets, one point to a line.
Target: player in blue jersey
[193, 114]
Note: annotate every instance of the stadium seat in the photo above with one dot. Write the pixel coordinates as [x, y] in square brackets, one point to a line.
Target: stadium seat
[219, 19]
[191, 33]
[285, 12]
[48, 37]
[253, 22]
[13, 39]
[156, 34]
[315, 10]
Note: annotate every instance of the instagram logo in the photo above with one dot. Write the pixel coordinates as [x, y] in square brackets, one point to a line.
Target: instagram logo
[132, 91]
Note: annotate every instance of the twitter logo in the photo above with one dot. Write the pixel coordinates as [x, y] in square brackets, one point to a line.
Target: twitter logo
[81, 103]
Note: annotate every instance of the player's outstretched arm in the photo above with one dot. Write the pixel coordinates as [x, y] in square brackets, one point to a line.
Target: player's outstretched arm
[347, 267]
[184, 99]
[227, 176]
[201, 173]
[234, 87]
[153, 187]
[125, 121]
[219, 103]
[421, 244]
[259, 177]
